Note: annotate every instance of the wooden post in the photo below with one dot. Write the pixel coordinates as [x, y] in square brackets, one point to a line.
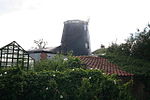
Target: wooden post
[13, 56]
[17, 56]
[1, 58]
[28, 63]
[7, 56]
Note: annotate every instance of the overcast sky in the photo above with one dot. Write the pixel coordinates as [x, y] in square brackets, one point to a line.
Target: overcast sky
[27, 20]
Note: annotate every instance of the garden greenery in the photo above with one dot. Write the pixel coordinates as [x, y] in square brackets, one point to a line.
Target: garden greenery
[60, 79]
[137, 45]
[132, 56]
[58, 63]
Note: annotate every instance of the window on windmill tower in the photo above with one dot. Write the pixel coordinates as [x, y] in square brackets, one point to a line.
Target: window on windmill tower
[87, 45]
[85, 27]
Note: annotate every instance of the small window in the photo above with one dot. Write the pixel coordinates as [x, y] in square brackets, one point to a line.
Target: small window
[85, 27]
[87, 45]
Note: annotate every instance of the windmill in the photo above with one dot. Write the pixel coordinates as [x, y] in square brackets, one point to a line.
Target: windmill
[76, 38]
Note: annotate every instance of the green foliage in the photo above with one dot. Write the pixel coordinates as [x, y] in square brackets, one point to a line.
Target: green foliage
[133, 56]
[136, 66]
[70, 84]
[140, 68]
[122, 49]
[58, 63]
[142, 46]
[137, 45]
[126, 95]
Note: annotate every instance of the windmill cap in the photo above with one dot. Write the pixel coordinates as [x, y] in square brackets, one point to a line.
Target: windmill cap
[75, 21]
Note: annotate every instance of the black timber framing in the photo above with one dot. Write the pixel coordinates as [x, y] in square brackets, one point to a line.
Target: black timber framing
[14, 55]
[0, 57]
[7, 55]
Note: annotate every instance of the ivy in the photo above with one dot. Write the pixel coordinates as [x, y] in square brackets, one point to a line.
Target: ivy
[77, 84]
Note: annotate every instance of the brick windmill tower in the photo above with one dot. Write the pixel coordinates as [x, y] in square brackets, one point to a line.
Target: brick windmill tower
[76, 38]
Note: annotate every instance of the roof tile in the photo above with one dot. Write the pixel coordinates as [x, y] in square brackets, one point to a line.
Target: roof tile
[102, 64]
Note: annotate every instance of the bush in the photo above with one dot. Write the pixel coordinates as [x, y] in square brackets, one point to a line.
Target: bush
[58, 63]
[70, 84]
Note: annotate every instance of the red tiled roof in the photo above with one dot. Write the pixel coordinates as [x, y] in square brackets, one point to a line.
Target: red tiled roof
[102, 64]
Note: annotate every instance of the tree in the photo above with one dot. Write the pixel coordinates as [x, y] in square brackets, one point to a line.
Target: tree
[141, 43]
[137, 45]
[40, 43]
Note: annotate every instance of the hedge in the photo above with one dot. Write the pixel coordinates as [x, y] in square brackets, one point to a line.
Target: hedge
[71, 84]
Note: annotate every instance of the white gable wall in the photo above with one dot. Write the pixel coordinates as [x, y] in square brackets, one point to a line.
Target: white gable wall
[37, 56]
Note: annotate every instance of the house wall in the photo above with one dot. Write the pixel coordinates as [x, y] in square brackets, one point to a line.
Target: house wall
[39, 56]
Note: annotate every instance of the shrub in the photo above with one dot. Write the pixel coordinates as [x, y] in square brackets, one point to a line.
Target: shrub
[58, 63]
[70, 84]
